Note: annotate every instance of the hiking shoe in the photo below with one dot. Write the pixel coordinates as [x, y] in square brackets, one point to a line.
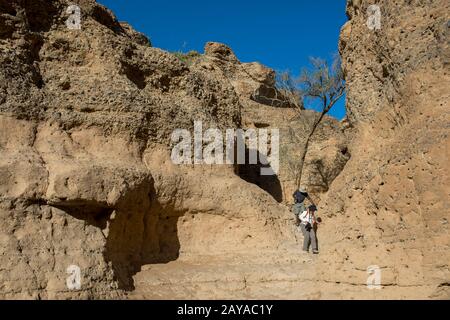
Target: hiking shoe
[315, 252]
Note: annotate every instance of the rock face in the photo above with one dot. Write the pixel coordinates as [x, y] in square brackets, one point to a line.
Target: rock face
[390, 206]
[265, 107]
[86, 177]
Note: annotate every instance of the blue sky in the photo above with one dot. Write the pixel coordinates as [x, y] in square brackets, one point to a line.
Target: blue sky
[281, 34]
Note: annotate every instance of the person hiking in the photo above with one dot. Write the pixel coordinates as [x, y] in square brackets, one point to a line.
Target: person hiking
[299, 205]
[308, 225]
[305, 218]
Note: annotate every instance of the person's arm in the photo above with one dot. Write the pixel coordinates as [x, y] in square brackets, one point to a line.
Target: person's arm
[316, 219]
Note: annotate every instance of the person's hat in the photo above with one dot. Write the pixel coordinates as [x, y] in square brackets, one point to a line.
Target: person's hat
[302, 190]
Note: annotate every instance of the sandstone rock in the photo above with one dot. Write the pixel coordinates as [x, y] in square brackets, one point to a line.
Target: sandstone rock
[388, 206]
[137, 37]
[86, 118]
[265, 107]
[220, 51]
[86, 177]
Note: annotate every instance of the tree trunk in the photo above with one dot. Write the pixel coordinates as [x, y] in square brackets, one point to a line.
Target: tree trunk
[305, 151]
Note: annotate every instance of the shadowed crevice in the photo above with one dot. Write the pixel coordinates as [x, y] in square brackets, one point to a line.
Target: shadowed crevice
[252, 174]
[141, 232]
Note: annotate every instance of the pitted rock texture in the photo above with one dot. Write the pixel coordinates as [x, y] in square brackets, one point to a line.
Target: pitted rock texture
[86, 177]
[265, 107]
[390, 206]
[82, 112]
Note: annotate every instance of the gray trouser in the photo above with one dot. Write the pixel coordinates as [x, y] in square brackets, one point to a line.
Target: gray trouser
[309, 238]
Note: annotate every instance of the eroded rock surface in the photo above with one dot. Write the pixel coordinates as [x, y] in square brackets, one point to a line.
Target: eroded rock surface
[390, 206]
[266, 107]
[87, 180]
[86, 177]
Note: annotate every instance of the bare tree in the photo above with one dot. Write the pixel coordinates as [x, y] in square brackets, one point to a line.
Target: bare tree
[287, 85]
[322, 83]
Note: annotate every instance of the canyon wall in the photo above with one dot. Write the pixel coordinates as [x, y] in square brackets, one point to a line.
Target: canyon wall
[390, 206]
[86, 176]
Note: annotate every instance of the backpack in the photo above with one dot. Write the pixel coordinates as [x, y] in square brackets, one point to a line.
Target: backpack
[299, 197]
[298, 208]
